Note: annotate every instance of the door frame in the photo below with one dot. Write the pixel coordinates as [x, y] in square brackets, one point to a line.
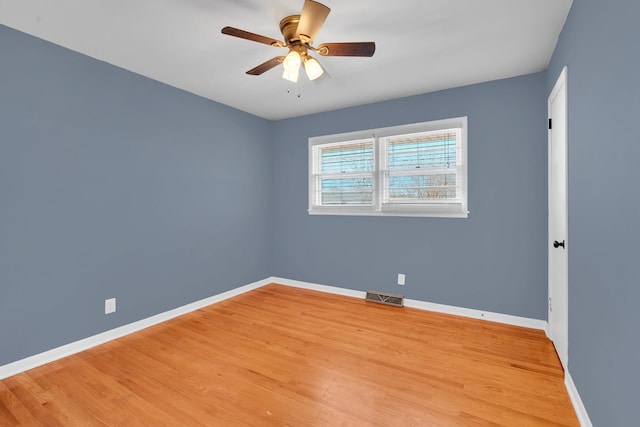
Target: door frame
[560, 85]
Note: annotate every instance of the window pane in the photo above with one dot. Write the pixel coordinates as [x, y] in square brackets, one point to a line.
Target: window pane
[423, 151]
[418, 169]
[349, 191]
[347, 158]
[422, 187]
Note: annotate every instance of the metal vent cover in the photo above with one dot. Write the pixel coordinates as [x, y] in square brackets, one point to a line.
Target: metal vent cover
[385, 298]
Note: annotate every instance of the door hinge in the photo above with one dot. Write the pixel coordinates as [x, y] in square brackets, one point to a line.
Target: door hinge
[549, 123]
[550, 306]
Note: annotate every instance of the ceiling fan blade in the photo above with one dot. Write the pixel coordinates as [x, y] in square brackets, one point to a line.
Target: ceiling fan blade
[266, 66]
[347, 49]
[311, 19]
[235, 32]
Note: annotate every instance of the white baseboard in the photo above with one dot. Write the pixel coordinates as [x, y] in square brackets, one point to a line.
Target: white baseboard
[316, 287]
[31, 362]
[547, 331]
[422, 305]
[581, 411]
[507, 319]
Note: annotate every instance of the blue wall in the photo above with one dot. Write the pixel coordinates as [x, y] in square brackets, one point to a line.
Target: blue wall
[113, 185]
[495, 260]
[599, 44]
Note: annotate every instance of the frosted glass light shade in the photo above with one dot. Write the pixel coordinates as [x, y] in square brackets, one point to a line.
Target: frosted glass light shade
[292, 61]
[313, 68]
[292, 76]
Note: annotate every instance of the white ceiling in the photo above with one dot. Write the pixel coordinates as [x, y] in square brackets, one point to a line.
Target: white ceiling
[421, 45]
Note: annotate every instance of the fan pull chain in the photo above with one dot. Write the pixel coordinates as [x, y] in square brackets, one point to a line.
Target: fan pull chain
[299, 95]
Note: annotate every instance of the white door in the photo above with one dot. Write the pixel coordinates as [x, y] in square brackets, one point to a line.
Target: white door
[558, 228]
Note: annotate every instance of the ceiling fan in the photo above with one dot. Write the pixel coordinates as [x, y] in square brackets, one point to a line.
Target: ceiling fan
[299, 32]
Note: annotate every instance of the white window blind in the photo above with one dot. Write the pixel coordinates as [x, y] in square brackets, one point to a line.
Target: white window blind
[409, 170]
[422, 168]
[343, 174]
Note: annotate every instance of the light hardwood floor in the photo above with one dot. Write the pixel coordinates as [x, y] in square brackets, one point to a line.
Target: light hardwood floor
[282, 356]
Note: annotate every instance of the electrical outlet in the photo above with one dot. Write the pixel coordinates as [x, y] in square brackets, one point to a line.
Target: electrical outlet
[401, 279]
[109, 306]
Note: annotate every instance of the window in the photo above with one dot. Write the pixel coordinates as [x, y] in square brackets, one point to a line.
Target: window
[410, 170]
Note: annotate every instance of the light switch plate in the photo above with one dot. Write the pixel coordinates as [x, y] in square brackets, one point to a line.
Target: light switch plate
[109, 306]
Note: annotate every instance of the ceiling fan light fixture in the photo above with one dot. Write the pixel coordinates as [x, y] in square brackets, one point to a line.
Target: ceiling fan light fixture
[299, 32]
[312, 68]
[292, 75]
[292, 61]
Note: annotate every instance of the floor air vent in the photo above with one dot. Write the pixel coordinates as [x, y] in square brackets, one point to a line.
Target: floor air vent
[382, 298]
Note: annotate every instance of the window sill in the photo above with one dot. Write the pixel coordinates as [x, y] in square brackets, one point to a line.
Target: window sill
[392, 214]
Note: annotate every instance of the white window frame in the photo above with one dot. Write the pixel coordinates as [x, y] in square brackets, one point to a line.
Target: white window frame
[441, 209]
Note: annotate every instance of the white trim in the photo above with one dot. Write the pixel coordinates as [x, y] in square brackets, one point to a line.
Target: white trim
[547, 331]
[560, 84]
[317, 287]
[489, 316]
[387, 212]
[379, 206]
[31, 362]
[422, 305]
[581, 411]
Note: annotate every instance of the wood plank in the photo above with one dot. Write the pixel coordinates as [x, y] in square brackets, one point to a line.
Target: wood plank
[286, 356]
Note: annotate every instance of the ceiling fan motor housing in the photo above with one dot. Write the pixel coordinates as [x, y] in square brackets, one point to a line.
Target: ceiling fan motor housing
[288, 27]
